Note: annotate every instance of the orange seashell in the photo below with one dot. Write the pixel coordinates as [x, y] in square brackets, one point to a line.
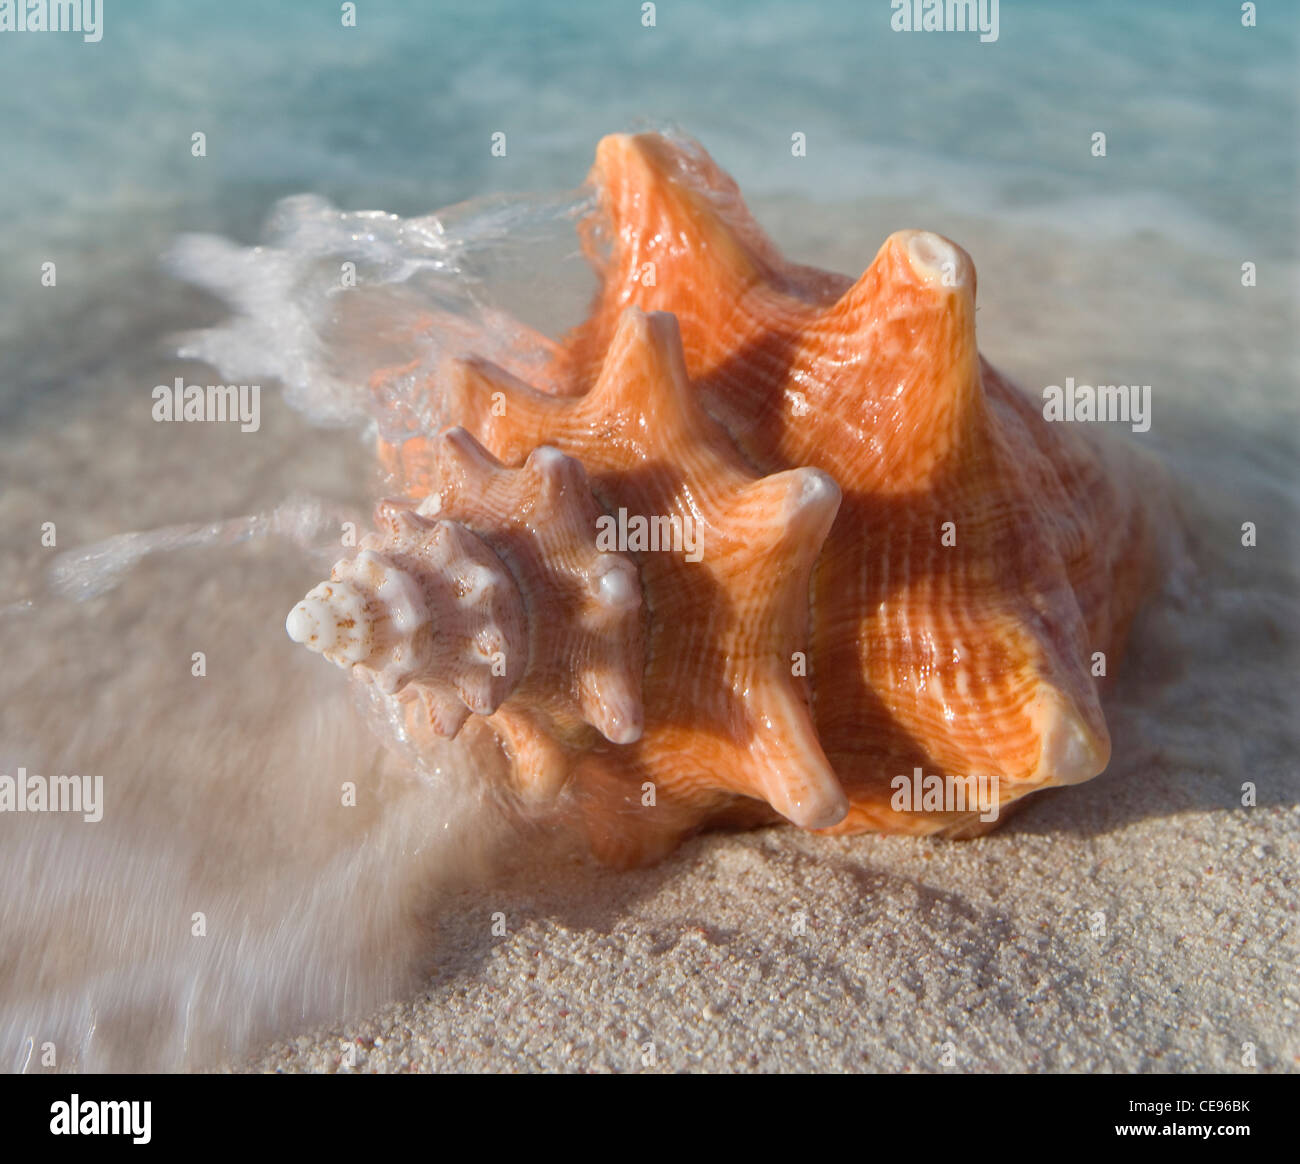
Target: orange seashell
[860, 557]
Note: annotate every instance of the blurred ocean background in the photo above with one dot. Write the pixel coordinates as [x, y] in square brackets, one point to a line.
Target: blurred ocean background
[1118, 269]
[396, 113]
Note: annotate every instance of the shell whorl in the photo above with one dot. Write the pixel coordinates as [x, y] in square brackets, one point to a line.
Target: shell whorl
[491, 582]
[426, 612]
[724, 630]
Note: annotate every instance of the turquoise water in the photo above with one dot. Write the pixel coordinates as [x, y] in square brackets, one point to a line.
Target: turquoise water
[1200, 112]
[398, 113]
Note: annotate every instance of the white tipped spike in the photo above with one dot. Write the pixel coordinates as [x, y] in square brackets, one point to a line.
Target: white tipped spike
[816, 499]
[935, 259]
[611, 703]
[478, 582]
[815, 803]
[400, 596]
[615, 584]
[1073, 750]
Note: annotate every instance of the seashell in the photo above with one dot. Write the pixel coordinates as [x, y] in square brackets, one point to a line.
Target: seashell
[849, 551]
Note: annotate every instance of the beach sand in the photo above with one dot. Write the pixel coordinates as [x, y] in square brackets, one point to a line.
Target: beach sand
[1134, 925]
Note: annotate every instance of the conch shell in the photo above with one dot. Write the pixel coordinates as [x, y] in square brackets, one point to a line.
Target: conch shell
[767, 542]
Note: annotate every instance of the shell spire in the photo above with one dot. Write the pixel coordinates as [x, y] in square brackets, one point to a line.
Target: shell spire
[490, 590]
[427, 611]
[724, 557]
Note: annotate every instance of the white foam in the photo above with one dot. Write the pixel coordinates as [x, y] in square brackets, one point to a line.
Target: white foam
[92, 570]
[333, 296]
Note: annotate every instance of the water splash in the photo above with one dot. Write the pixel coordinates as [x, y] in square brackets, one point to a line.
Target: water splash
[90, 571]
[332, 296]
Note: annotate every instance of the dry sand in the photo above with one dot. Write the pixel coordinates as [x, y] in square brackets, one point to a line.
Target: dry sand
[1137, 924]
